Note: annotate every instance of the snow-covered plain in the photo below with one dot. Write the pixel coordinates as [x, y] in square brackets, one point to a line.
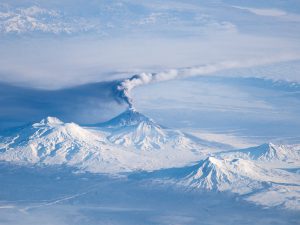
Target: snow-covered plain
[60, 196]
[133, 146]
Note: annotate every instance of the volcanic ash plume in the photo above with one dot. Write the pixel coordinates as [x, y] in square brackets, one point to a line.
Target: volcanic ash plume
[124, 87]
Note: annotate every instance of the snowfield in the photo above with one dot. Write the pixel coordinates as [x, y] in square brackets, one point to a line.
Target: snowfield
[267, 175]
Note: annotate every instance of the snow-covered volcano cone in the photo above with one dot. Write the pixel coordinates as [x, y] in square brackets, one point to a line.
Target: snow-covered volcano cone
[267, 152]
[50, 141]
[132, 128]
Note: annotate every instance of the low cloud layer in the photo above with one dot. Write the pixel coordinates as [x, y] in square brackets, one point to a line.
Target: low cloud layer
[271, 12]
[54, 44]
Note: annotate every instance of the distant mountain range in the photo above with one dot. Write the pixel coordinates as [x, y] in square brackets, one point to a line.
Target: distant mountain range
[132, 142]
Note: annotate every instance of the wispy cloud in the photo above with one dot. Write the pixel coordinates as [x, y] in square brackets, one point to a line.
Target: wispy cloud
[109, 39]
[264, 12]
[126, 86]
[110, 18]
[37, 19]
[272, 12]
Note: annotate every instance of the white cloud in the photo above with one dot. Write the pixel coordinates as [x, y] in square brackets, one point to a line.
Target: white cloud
[155, 17]
[271, 12]
[141, 36]
[210, 24]
[266, 12]
[53, 63]
[169, 5]
[127, 85]
[36, 19]
[35, 10]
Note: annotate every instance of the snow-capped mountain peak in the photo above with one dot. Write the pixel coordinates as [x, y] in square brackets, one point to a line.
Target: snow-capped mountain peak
[50, 121]
[130, 117]
[133, 129]
[211, 173]
[235, 175]
[267, 152]
[50, 141]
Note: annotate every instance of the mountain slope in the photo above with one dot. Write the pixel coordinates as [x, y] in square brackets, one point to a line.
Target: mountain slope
[49, 137]
[267, 152]
[111, 148]
[133, 129]
[51, 141]
[221, 175]
[251, 180]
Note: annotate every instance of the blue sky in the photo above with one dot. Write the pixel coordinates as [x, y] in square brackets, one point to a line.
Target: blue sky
[53, 46]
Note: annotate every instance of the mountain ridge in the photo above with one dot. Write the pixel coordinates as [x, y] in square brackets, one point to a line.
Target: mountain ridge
[132, 142]
[99, 149]
[267, 152]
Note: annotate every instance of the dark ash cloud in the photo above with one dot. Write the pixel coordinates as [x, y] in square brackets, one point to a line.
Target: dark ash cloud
[84, 104]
